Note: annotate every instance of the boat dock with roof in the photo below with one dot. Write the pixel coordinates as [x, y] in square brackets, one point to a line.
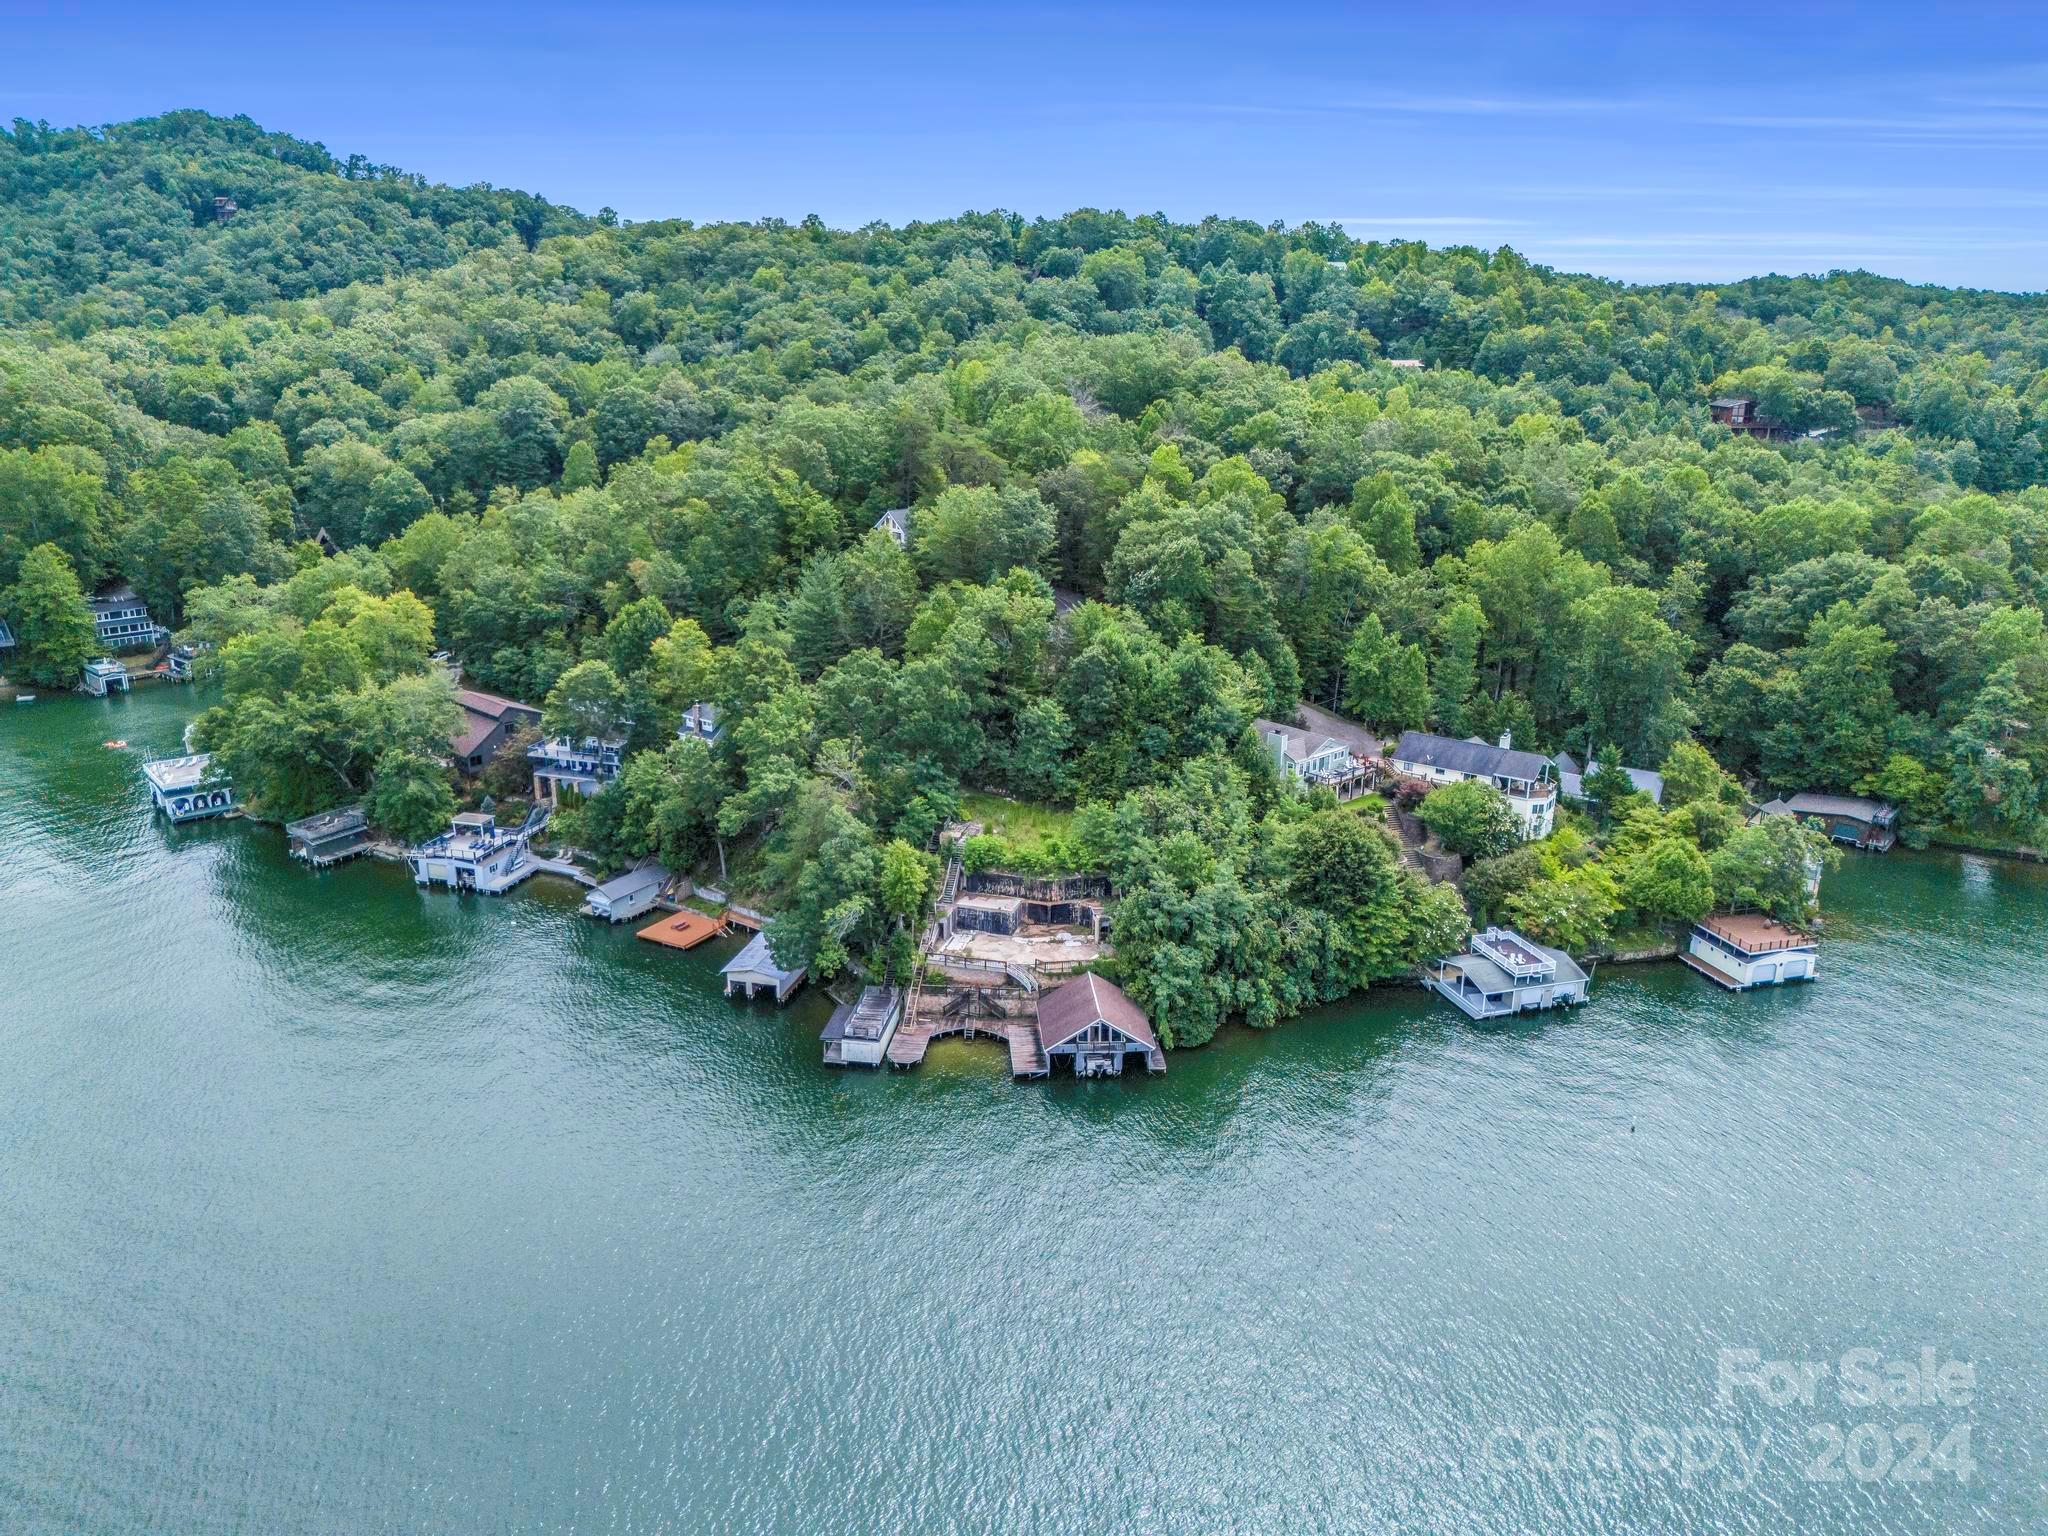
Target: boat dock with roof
[1504, 973]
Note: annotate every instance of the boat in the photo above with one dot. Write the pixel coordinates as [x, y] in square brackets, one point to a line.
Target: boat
[24, 698]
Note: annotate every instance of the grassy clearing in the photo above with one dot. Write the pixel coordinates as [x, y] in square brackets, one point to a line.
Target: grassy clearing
[1023, 822]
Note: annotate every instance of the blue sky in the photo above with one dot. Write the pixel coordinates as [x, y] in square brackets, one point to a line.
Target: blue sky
[1725, 141]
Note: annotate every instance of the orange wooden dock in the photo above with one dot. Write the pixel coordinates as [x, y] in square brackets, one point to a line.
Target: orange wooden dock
[683, 930]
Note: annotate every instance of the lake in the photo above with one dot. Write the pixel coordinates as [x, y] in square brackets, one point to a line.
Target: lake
[331, 1205]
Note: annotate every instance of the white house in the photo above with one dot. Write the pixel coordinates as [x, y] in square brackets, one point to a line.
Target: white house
[187, 788]
[1524, 777]
[474, 854]
[1504, 973]
[1740, 950]
[896, 523]
[858, 1033]
[626, 896]
[1313, 758]
[701, 722]
[585, 766]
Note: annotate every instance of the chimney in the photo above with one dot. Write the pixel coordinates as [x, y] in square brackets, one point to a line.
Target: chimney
[1507, 740]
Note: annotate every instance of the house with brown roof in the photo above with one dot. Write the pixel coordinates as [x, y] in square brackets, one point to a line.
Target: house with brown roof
[487, 723]
[1090, 1024]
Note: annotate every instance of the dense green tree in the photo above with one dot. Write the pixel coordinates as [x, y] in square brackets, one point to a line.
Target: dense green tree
[409, 796]
[1472, 818]
[53, 632]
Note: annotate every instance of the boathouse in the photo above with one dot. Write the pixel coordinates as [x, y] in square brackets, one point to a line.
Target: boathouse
[858, 1033]
[626, 896]
[1095, 1029]
[331, 837]
[754, 970]
[1851, 819]
[6, 637]
[474, 854]
[1740, 950]
[102, 676]
[1524, 777]
[584, 766]
[1504, 973]
[487, 724]
[186, 788]
[181, 663]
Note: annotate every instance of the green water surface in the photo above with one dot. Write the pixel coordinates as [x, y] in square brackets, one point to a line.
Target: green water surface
[329, 1205]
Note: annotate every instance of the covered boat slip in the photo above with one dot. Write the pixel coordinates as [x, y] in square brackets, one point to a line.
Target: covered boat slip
[1504, 973]
[859, 1032]
[1740, 950]
[331, 837]
[753, 971]
[626, 896]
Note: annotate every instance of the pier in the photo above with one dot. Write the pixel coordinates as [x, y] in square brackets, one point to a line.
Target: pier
[684, 930]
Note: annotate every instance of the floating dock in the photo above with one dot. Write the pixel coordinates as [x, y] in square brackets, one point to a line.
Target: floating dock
[684, 930]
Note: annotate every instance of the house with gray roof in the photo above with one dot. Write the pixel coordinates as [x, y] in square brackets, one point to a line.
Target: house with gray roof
[896, 523]
[1524, 777]
[1312, 758]
[1571, 779]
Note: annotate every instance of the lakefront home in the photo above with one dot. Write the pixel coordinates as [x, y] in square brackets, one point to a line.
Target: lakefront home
[1851, 819]
[1740, 950]
[120, 619]
[187, 788]
[1313, 758]
[1571, 779]
[584, 766]
[1524, 777]
[474, 854]
[488, 722]
[1504, 973]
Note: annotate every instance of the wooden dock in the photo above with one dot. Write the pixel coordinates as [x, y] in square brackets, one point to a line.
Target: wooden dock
[1725, 983]
[684, 930]
[914, 1036]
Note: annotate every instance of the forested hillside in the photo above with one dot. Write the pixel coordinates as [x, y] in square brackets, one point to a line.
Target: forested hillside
[626, 468]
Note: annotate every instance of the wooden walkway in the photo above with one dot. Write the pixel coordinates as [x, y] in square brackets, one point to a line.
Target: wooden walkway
[914, 1036]
[684, 930]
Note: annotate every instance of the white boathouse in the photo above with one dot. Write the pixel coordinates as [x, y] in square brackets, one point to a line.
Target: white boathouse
[858, 1033]
[754, 970]
[187, 788]
[474, 854]
[1740, 950]
[1504, 973]
[626, 896]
